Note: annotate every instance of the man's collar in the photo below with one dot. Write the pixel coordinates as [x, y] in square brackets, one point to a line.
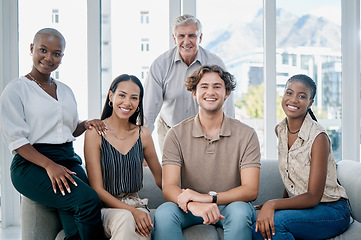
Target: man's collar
[198, 58]
[225, 129]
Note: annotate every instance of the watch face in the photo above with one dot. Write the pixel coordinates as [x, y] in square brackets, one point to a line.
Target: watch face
[212, 193]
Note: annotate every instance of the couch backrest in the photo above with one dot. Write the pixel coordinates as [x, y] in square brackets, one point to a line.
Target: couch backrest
[150, 190]
[349, 175]
[271, 185]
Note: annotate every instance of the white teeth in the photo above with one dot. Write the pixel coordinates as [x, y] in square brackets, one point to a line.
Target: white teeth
[125, 110]
[210, 99]
[292, 107]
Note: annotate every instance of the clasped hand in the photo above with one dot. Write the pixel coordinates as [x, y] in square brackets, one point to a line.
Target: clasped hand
[200, 206]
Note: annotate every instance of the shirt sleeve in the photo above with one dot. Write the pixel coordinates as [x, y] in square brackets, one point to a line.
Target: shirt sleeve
[14, 129]
[172, 151]
[153, 94]
[252, 154]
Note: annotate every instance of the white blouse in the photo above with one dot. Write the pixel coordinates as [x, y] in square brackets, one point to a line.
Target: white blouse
[29, 115]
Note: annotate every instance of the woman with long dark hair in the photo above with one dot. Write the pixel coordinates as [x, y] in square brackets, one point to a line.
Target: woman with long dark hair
[114, 161]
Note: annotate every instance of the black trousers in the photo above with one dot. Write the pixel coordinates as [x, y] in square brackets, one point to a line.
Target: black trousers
[79, 211]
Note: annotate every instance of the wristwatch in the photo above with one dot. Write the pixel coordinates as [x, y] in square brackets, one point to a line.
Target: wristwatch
[213, 194]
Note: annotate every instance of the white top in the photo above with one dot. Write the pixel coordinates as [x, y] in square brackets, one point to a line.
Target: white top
[165, 92]
[29, 115]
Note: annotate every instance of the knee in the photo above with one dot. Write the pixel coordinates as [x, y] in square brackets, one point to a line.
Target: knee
[166, 213]
[239, 212]
[125, 220]
[89, 203]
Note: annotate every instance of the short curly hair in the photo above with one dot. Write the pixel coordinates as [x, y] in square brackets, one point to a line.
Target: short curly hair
[193, 80]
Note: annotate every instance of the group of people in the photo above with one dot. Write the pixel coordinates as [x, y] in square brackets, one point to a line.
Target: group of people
[211, 161]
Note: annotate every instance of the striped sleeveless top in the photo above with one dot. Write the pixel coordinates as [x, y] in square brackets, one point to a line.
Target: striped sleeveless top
[122, 173]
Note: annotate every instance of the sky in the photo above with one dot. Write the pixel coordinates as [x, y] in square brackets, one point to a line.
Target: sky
[330, 9]
[214, 13]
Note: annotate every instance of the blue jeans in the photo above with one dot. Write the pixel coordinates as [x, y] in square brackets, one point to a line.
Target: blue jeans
[170, 219]
[324, 221]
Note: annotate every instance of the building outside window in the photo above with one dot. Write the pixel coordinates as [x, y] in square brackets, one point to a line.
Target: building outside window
[144, 45]
[144, 17]
[55, 16]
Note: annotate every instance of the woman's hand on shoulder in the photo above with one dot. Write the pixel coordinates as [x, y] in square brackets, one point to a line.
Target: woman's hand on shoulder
[97, 124]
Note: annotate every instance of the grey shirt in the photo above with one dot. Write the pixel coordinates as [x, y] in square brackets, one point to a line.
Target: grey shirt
[164, 90]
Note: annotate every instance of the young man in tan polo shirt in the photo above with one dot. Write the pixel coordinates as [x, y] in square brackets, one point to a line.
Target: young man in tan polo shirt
[217, 161]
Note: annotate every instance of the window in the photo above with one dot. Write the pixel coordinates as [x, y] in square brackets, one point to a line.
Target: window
[56, 75]
[144, 72]
[309, 37]
[55, 16]
[144, 46]
[236, 36]
[144, 17]
[124, 54]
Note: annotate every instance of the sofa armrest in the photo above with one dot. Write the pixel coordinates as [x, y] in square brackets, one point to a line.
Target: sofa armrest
[349, 175]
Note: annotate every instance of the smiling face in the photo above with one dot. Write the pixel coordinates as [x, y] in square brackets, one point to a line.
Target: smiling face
[296, 99]
[47, 51]
[210, 93]
[125, 99]
[187, 38]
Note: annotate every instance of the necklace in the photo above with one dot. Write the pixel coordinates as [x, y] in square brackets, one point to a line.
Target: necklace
[120, 139]
[39, 84]
[288, 129]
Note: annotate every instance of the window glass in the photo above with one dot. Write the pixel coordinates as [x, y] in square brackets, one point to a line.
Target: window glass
[309, 42]
[137, 32]
[235, 34]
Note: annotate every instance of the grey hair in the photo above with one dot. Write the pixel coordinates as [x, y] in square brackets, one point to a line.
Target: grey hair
[185, 20]
[49, 31]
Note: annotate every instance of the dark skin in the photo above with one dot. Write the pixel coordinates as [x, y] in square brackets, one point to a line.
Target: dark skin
[295, 103]
[47, 51]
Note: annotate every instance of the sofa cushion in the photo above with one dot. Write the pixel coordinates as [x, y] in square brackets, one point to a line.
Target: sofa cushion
[352, 233]
[33, 218]
[201, 232]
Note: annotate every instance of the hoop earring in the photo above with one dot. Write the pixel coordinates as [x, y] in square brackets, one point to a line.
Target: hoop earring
[138, 109]
[110, 104]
